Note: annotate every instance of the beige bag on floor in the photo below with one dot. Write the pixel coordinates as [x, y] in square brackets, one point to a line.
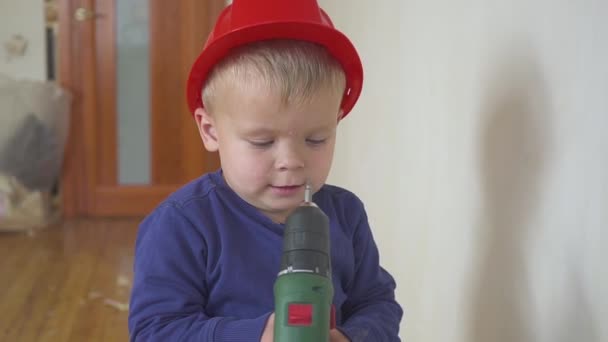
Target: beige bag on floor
[24, 210]
[34, 121]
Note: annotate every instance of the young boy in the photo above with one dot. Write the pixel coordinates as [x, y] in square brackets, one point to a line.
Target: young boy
[267, 93]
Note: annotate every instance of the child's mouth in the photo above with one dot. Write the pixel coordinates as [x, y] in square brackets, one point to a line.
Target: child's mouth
[286, 190]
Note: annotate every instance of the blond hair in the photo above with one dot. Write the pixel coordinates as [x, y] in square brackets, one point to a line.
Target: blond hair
[295, 70]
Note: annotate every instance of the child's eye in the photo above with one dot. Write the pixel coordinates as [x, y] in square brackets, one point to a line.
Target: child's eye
[264, 143]
[316, 141]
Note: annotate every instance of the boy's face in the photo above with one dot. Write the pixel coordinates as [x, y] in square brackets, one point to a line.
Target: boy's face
[269, 150]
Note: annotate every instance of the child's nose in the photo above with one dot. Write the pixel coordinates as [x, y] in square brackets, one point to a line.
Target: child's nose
[289, 159]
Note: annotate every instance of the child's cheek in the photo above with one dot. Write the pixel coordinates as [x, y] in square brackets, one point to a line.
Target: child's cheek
[255, 167]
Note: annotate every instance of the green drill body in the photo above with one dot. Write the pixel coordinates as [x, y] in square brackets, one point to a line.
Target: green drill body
[303, 291]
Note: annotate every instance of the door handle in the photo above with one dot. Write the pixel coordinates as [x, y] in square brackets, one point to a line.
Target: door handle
[84, 14]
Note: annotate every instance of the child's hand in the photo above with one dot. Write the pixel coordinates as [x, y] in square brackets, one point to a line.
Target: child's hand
[336, 336]
[268, 334]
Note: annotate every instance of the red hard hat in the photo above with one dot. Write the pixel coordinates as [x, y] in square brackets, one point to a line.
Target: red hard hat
[247, 21]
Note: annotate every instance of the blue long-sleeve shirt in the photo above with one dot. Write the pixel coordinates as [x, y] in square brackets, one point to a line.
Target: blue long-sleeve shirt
[206, 262]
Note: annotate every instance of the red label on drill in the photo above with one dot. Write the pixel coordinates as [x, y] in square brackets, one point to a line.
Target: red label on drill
[299, 314]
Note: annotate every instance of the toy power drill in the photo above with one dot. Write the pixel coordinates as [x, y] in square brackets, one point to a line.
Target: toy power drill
[303, 291]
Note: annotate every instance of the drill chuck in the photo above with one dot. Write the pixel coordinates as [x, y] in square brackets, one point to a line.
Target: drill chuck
[306, 242]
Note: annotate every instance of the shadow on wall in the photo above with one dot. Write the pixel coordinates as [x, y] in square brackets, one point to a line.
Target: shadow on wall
[514, 150]
[516, 144]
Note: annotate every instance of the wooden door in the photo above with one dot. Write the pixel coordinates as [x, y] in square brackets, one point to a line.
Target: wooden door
[91, 66]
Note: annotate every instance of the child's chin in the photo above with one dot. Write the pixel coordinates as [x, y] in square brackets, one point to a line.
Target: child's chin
[283, 205]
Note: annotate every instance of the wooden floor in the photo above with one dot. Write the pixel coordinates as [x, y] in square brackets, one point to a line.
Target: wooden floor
[67, 283]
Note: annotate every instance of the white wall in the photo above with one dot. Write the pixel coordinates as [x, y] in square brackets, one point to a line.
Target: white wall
[25, 17]
[479, 147]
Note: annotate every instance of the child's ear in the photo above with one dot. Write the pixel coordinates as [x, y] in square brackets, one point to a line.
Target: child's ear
[206, 128]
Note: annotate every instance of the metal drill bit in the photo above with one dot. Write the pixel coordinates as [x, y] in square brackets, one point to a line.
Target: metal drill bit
[307, 193]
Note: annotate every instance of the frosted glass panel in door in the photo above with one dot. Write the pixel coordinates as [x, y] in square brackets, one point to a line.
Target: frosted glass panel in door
[133, 91]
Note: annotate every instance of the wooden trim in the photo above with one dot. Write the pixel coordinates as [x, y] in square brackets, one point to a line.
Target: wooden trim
[175, 139]
[73, 38]
[129, 200]
[166, 90]
[106, 121]
[192, 42]
[89, 111]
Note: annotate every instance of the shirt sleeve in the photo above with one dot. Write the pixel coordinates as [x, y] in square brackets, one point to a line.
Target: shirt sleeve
[169, 293]
[370, 312]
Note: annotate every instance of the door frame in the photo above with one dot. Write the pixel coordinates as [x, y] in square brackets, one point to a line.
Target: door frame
[85, 189]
